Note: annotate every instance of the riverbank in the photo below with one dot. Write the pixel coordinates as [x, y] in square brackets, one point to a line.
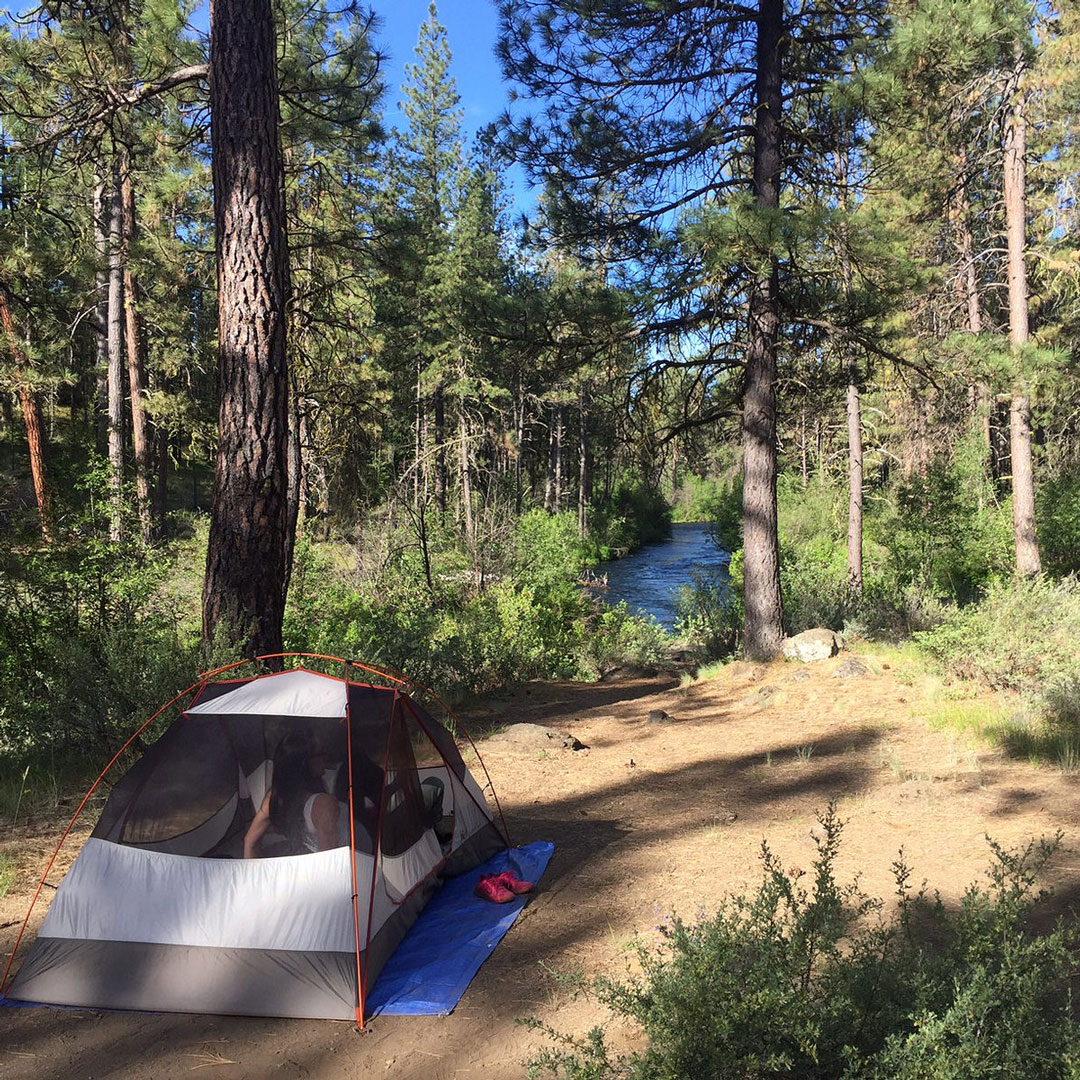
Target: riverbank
[661, 813]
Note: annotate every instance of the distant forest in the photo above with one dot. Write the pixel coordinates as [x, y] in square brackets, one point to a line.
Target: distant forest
[809, 272]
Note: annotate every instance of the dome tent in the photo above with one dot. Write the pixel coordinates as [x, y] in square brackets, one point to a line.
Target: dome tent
[160, 911]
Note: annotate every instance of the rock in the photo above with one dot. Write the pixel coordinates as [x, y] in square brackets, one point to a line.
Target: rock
[812, 645]
[850, 669]
[766, 692]
[801, 676]
[538, 736]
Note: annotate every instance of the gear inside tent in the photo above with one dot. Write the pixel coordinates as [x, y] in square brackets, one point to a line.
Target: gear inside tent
[372, 808]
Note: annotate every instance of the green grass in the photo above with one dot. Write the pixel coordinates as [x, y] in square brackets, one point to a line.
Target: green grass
[703, 673]
[7, 874]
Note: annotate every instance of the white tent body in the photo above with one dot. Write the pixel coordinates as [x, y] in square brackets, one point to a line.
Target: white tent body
[159, 911]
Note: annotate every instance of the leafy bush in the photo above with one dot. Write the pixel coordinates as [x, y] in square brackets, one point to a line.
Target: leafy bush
[635, 515]
[946, 532]
[815, 980]
[548, 549]
[706, 498]
[1022, 636]
[709, 610]
[90, 645]
[616, 638]
[1058, 518]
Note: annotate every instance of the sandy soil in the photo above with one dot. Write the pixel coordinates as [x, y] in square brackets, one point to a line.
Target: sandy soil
[658, 815]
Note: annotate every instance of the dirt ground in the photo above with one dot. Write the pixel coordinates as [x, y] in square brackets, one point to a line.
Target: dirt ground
[657, 815]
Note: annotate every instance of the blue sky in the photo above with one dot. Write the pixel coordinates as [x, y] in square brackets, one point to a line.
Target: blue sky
[471, 30]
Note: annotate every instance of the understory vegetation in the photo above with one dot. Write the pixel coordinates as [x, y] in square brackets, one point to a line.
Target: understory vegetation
[812, 978]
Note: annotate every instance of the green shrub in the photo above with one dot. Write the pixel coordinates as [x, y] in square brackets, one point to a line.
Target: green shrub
[615, 638]
[548, 549]
[709, 610]
[635, 515]
[90, 646]
[1022, 636]
[706, 498]
[811, 979]
[1058, 519]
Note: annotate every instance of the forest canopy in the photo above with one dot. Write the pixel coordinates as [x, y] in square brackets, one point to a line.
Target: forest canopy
[808, 272]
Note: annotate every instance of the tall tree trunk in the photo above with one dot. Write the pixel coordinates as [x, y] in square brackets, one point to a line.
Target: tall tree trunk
[116, 357]
[35, 437]
[553, 453]
[853, 405]
[968, 287]
[244, 590]
[440, 448]
[519, 480]
[1028, 562]
[140, 435]
[294, 482]
[418, 436]
[560, 437]
[761, 547]
[466, 477]
[161, 498]
[855, 483]
[101, 205]
[583, 467]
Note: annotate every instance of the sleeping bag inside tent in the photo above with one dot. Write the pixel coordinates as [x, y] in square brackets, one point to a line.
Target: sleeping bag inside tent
[161, 910]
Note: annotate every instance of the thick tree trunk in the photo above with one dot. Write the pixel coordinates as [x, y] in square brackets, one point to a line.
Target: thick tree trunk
[855, 484]
[140, 434]
[115, 335]
[101, 205]
[1028, 562]
[35, 436]
[761, 548]
[244, 591]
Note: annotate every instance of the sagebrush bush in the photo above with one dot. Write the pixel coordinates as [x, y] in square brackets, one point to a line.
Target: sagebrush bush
[1022, 636]
[814, 980]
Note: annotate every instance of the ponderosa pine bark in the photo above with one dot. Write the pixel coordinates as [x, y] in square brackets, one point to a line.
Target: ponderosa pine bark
[35, 432]
[1028, 561]
[140, 433]
[115, 375]
[761, 550]
[244, 590]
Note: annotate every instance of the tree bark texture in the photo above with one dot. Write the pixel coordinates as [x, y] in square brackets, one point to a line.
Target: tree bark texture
[244, 590]
[761, 549]
[101, 205]
[140, 434]
[441, 472]
[855, 484]
[115, 336]
[35, 435]
[1028, 561]
[584, 451]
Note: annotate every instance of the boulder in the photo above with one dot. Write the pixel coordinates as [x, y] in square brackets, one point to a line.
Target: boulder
[850, 669]
[811, 645]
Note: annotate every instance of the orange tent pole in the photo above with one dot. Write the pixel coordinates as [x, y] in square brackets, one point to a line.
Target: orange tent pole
[75, 817]
[352, 859]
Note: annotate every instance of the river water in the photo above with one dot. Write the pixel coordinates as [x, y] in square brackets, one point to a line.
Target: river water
[649, 580]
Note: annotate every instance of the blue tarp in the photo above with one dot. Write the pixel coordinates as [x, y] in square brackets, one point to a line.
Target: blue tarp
[456, 932]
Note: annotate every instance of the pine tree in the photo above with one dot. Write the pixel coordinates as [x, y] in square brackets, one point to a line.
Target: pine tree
[683, 107]
[246, 564]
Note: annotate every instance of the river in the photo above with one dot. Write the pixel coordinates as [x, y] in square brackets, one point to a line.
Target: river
[650, 578]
